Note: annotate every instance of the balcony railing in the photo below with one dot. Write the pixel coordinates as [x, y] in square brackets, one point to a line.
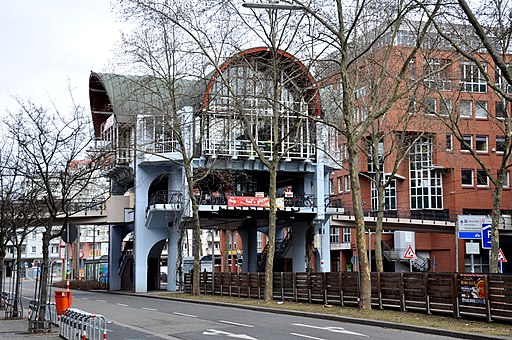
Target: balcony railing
[166, 197]
[245, 149]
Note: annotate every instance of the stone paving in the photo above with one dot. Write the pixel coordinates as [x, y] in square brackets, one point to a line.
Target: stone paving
[18, 329]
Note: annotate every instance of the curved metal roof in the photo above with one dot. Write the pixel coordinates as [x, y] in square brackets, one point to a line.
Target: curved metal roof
[125, 96]
[288, 63]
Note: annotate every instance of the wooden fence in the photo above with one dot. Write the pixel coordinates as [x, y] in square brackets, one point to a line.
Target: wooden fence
[485, 296]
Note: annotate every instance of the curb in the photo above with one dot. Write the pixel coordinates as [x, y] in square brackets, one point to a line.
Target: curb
[369, 322]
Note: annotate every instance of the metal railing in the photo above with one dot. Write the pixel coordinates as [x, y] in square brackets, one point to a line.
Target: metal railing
[76, 324]
[300, 201]
[166, 197]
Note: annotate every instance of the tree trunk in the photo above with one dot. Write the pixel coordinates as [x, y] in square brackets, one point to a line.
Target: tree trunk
[364, 269]
[44, 275]
[378, 227]
[269, 268]
[310, 247]
[196, 249]
[495, 236]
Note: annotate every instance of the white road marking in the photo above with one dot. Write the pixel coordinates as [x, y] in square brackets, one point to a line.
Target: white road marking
[183, 314]
[101, 301]
[84, 298]
[143, 330]
[121, 304]
[229, 335]
[236, 323]
[306, 336]
[151, 309]
[330, 329]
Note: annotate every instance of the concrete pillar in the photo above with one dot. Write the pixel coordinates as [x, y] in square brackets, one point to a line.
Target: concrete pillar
[172, 256]
[297, 250]
[325, 250]
[250, 247]
[115, 241]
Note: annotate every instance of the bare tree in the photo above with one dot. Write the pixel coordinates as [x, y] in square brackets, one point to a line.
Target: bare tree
[480, 33]
[48, 142]
[350, 33]
[170, 44]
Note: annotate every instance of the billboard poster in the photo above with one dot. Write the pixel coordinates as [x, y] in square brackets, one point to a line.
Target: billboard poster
[472, 288]
[253, 201]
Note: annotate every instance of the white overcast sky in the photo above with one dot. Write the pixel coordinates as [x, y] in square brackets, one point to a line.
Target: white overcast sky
[49, 46]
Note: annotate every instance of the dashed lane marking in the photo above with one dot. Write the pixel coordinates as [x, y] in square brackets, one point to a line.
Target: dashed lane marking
[150, 309]
[122, 304]
[235, 323]
[306, 336]
[183, 314]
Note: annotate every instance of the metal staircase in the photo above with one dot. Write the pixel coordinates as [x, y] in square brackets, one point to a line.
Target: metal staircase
[420, 264]
[282, 246]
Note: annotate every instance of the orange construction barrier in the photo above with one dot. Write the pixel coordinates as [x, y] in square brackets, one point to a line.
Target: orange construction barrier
[63, 300]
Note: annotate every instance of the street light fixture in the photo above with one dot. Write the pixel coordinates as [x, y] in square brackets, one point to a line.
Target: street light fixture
[271, 5]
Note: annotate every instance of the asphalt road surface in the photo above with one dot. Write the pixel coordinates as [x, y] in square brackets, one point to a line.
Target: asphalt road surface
[138, 318]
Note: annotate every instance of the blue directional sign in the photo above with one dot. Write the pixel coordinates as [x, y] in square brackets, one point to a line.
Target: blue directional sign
[470, 235]
[486, 235]
[469, 227]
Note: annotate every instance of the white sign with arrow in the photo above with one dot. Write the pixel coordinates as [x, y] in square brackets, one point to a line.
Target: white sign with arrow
[330, 329]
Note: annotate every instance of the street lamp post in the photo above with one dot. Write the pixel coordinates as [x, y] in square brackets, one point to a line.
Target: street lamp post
[271, 5]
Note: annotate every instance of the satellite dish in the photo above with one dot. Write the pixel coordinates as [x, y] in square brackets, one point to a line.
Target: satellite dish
[72, 233]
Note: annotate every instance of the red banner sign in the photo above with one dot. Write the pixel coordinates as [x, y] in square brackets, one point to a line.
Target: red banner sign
[252, 201]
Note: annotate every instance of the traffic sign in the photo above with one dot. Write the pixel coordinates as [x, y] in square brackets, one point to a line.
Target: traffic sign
[486, 235]
[470, 226]
[501, 256]
[409, 253]
[470, 235]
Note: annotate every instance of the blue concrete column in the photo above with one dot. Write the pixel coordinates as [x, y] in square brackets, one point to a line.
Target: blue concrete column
[325, 250]
[250, 247]
[297, 250]
[172, 257]
[144, 238]
[115, 242]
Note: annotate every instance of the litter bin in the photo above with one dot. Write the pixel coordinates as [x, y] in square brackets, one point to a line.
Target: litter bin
[62, 300]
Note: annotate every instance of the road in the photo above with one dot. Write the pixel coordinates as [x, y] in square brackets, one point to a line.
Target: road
[138, 318]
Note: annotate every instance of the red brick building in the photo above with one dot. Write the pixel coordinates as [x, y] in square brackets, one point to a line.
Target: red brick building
[439, 180]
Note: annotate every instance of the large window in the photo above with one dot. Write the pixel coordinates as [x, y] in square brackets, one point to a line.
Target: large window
[446, 107]
[346, 235]
[468, 143]
[467, 177]
[481, 110]
[471, 78]
[380, 157]
[438, 74]
[481, 143]
[449, 142]
[335, 235]
[247, 85]
[482, 180]
[429, 106]
[466, 108]
[500, 144]
[426, 188]
[389, 196]
[500, 110]
[346, 180]
[506, 182]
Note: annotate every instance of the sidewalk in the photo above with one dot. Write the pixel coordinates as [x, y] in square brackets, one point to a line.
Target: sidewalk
[18, 329]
